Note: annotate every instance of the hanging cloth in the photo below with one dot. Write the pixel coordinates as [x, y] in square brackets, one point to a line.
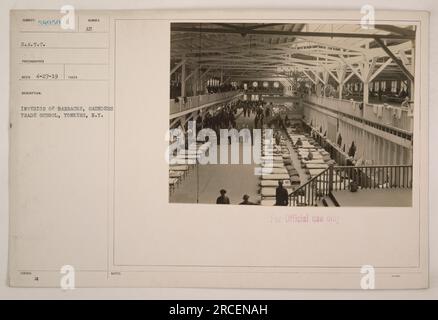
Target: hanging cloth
[380, 111]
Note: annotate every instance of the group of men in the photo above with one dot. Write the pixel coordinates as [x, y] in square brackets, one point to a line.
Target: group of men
[249, 107]
[264, 113]
[281, 197]
[259, 108]
[224, 87]
[224, 118]
[223, 199]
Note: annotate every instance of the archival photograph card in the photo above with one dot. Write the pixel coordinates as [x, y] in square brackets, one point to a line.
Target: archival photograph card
[233, 149]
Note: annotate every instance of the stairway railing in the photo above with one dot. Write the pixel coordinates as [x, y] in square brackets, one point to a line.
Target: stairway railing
[309, 193]
[372, 177]
[337, 178]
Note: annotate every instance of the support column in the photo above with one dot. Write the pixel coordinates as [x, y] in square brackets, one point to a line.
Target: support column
[325, 77]
[378, 148]
[392, 153]
[341, 79]
[318, 89]
[369, 155]
[195, 82]
[411, 82]
[409, 159]
[183, 79]
[365, 92]
[386, 152]
[375, 156]
[365, 75]
[383, 154]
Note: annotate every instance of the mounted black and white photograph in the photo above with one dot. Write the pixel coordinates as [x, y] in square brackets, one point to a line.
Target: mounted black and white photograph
[291, 114]
[213, 148]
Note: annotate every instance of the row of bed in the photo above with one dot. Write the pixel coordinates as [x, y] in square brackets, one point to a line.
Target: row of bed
[320, 159]
[319, 162]
[276, 165]
[183, 162]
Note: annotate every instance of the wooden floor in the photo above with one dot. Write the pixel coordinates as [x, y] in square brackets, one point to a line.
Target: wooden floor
[203, 183]
[375, 198]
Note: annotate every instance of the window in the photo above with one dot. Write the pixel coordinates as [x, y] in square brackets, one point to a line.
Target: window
[393, 86]
[376, 86]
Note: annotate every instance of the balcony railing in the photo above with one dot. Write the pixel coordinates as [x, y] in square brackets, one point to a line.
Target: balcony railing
[188, 103]
[338, 105]
[398, 118]
[265, 91]
[336, 178]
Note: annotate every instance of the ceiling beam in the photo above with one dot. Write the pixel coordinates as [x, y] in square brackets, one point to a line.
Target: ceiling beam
[177, 66]
[292, 33]
[382, 67]
[353, 69]
[308, 76]
[395, 59]
[349, 77]
[395, 29]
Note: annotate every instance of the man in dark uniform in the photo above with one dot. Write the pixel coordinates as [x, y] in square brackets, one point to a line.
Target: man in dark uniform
[309, 156]
[223, 199]
[256, 121]
[352, 150]
[277, 138]
[246, 200]
[281, 195]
